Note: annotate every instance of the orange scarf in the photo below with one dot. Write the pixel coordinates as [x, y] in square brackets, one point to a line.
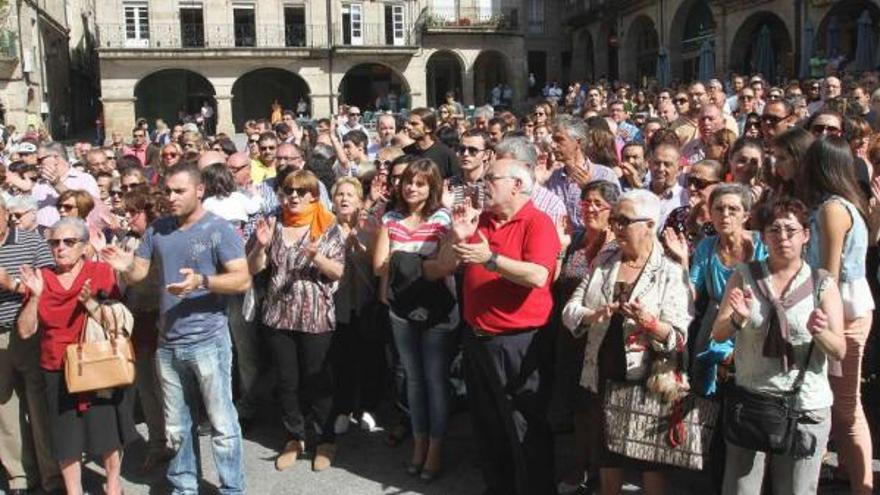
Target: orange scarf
[315, 216]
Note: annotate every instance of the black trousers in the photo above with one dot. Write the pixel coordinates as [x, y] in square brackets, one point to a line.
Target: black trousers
[508, 393]
[359, 365]
[305, 380]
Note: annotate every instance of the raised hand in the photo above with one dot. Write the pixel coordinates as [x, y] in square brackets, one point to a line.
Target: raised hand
[741, 302]
[120, 259]
[264, 232]
[465, 219]
[676, 245]
[32, 279]
[85, 293]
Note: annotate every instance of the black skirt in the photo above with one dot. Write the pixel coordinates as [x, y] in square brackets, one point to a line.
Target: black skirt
[106, 425]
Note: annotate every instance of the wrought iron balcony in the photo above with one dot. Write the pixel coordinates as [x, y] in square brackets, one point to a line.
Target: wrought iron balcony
[372, 35]
[471, 19]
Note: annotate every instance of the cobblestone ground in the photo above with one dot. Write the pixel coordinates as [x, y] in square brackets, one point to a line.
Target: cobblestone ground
[364, 466]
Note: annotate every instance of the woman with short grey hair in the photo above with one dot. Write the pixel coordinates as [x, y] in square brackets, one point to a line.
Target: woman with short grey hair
[634, 300]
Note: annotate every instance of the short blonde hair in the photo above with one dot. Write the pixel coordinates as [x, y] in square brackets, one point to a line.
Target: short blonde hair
[352, 181]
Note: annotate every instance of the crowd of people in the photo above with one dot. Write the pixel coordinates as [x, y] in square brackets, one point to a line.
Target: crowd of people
[701, 240]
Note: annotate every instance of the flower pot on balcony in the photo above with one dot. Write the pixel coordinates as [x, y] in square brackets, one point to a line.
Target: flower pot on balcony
[464, 21]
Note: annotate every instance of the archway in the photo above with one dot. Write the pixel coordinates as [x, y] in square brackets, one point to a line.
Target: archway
[642, 45]
[490, 69]
[692, 24]
[839, 29]
[744, 49]
[444, 74]
[374, 86]
[254, 93]
[172, 93]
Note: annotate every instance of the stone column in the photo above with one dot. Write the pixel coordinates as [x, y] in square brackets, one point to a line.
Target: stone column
[224, 114]
[118, 115]
[320, 105]
[467, 87]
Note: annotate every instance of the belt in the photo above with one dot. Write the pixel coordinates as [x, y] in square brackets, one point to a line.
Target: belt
[7, 327]
[479, 332]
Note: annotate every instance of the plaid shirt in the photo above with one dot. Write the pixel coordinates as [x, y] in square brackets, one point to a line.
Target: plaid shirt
[570, 192]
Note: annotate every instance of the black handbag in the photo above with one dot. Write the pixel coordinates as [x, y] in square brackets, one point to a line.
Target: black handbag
[763, 422]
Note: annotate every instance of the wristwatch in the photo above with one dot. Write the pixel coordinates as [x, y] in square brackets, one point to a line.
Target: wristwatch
[491, 264]
[203, 284]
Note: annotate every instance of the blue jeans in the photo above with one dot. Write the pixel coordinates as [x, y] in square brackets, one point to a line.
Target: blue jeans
[425, 355]
[203, 369]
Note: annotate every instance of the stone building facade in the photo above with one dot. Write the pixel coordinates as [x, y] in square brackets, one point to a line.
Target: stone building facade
[162, 57]
[41, 84]
[623, 39]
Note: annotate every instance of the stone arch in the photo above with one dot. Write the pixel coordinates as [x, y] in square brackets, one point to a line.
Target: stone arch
[641, 46]
[444, 71]
[490, 68]
[254, 92]
[743, 46]
[693, 23]
[368, 85]
[843, 17]
[167, 92]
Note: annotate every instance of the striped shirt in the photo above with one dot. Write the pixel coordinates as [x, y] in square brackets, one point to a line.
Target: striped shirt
[424, 239]
[20, 248]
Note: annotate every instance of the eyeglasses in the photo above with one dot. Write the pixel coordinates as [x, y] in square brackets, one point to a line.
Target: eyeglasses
[116, 194]
[773, 119]
[782, 232]
[700, 184]
[774, 96]
[820, 130]
[469, 150]
[596, 206]
[67, 241]
[680, 101]
[622, 222]
[68, 207]
[299, 191]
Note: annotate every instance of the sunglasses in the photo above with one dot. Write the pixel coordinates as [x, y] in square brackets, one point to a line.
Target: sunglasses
[116, 194]
[66, 207]
[468, 150]
[267, 148]
[382, 163]
[700, 184]
[622, 222]
[299, 191]
[67, 241]
[772, 119]
[18, 215]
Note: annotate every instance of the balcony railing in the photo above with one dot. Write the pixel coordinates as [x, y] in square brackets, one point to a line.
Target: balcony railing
[371, 34]
[472, 17]
[213, 36]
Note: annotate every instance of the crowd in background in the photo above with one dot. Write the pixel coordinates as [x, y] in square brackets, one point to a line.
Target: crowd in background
[689, 239]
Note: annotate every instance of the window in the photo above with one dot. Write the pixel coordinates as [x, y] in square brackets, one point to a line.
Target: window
[394, 25]
[536, 16]
[192, 28]
[244, 22]
[352, 24]
[294, 26]
[137, 24]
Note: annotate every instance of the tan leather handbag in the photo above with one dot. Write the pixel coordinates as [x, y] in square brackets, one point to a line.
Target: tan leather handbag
[104, 357]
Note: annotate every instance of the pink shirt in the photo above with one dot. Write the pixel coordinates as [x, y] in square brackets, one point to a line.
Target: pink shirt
[47, 197]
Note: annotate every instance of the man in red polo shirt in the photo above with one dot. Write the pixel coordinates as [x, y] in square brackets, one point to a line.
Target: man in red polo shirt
[509, 253]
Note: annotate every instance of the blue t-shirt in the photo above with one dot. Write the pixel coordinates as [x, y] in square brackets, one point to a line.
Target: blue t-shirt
[709, 275]
[204, 247]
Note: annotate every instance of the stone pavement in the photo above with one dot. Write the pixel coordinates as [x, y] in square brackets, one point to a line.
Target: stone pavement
[364, 466]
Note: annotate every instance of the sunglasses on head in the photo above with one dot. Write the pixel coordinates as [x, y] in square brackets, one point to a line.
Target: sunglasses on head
[67, 241]
[299, 191]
